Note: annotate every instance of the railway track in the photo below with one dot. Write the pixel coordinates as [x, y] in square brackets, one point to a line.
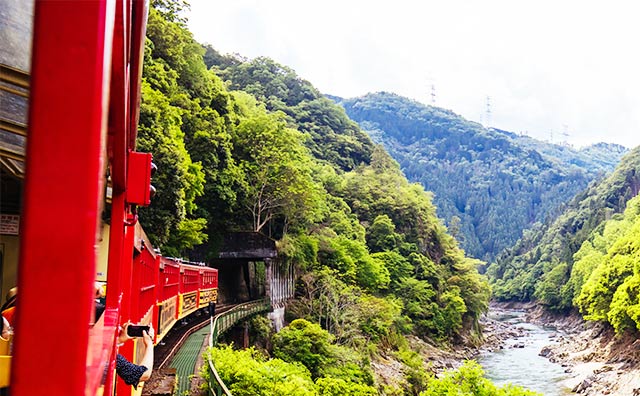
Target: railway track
[173, 341]
[163, 378]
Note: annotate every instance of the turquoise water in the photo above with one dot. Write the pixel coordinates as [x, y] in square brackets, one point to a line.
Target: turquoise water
[523, 366]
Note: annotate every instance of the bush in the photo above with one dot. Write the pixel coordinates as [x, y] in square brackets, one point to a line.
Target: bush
[329, 386]
[469, 381]
[304, 342]
[248, 373]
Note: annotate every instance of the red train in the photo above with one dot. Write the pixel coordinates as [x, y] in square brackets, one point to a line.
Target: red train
[75, 101]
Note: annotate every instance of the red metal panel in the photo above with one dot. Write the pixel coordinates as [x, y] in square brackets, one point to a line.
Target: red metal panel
[126, 283]
[169, 278]
[139, 178]
[140, 11]
[119, 97]
[189, 278]
[209, 278]
[117, 150]
[144, 286]
[63, 193]
[114, 273]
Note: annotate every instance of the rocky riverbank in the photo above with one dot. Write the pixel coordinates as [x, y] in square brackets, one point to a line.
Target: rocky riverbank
[496, 333]
[598, 362]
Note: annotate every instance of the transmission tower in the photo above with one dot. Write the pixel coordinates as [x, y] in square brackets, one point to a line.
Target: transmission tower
[433, 94]
[565, 134]
[488, 112]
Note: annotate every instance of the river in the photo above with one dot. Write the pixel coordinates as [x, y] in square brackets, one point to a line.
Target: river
[519, 362]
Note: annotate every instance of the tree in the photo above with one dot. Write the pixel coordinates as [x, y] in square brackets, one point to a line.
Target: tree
[307, 343]
[178, 180]
[277, 171]
[381, 236]
[469, 380]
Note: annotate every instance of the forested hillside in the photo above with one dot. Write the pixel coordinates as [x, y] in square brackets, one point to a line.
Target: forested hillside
[248, 145]
[489, 184]
[582, 256]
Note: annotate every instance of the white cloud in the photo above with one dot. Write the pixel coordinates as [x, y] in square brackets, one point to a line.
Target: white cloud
[548, 66]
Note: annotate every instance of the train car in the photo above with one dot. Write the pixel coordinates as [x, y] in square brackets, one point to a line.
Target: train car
[81, 85]
[190, 278]
[70, 185]
[169, 285]
[208, 288]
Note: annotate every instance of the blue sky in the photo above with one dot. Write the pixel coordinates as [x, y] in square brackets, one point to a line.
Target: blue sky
[563, 70]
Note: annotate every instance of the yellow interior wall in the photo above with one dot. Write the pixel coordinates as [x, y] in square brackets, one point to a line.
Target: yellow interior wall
[10, 246]
[103, 253]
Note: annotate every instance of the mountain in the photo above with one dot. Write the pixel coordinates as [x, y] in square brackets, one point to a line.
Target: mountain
[541, 263]
[332, 137]
[489, 184]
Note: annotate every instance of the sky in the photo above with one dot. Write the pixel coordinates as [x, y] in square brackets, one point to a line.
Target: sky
[561, 71]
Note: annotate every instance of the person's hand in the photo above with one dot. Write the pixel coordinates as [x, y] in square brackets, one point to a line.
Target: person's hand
[123, 336]
[147, 337]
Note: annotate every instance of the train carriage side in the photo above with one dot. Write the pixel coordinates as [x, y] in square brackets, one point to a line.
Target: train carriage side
[82, 167]
[82, 91]
[144, 279]
[168, 299]
[208, 287]
[190, 280]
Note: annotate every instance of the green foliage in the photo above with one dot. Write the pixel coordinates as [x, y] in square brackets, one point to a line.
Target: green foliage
[306, 343]
[334, 138]
[381, 236]
[548, 290]
[624, 311]
[415, 374]
[610, 291]
[469, 381]
[398, 266]
[178, 180]
[299, 249]
[354, 317]
[586, 260]
[378, 317]
[329, 386]
[260, 331]
[249, 373]
[277, 170]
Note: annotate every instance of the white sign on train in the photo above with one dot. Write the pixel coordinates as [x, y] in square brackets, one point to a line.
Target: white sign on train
[9, 224]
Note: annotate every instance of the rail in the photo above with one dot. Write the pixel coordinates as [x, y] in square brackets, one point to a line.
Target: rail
[220, 324]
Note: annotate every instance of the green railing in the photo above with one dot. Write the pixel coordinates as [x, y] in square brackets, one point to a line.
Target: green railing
[220, 324]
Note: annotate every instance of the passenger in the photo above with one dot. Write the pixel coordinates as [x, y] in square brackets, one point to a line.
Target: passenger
[100, 299]
[7, 332]
[8, 309]
[131, 373]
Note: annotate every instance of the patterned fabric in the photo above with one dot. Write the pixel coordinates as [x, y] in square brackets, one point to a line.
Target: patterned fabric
[128, 371]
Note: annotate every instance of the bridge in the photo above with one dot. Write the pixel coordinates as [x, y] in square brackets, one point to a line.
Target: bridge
[249, 270]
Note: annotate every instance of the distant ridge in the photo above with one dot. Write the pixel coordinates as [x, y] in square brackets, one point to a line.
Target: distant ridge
[489, 184]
